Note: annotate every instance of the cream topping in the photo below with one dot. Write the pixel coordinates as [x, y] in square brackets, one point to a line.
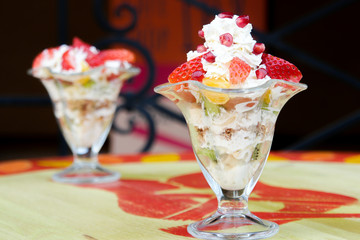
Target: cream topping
[242, 47]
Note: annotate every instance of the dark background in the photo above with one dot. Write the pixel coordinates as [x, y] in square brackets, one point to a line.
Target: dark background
[30, 130]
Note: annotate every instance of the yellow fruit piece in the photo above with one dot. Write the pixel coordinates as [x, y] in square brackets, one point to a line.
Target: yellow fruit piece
[84, 66]
[218, 82]
[267, 97]
[215, 97]
[83, 80]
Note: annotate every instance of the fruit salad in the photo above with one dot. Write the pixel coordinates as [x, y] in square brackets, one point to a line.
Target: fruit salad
[231, 116]
[83, 83]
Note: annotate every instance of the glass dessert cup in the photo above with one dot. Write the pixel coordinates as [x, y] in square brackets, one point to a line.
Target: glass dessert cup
[231, 133]
[84, 105]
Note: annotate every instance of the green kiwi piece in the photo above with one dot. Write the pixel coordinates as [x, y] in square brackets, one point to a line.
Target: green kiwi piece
[207, 152]
[210, 108]
[89, 83]
[256, 153]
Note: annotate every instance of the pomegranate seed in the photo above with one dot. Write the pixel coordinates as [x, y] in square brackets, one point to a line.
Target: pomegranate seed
[209, 57]
[201, 33]
[226, 39]
[261, 73]
[197, 75]
[225, 15]
[242, 20]
[201, 49]
[258, 48]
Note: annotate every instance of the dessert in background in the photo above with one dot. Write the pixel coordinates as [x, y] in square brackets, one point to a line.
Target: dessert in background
[84, 84]
[91, 97]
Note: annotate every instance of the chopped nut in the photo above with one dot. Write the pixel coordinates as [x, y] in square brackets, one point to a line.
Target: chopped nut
[201, 132]
[228, 133]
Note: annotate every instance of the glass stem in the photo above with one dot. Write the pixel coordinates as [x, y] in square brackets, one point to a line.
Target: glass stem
[233, 201]
[85, 155]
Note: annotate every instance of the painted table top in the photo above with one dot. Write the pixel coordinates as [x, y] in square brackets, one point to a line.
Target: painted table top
[312, 195]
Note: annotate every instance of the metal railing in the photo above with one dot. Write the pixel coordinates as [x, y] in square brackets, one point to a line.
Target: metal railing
[140, 101]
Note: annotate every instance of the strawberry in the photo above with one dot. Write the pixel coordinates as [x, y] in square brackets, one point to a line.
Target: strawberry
[278, 68]
[37, 60]
[94, 61]
[239, 70]
[45, 54]
[111, 54]
[78, 43]
[68, 61]
[191, 70]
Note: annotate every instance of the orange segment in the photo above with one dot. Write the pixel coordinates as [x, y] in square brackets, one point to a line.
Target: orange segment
[218, 82]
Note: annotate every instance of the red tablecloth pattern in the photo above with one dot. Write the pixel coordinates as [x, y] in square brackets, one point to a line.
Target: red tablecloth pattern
[311, 195]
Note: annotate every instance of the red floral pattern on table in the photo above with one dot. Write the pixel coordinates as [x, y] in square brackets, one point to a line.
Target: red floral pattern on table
[189, 198]
[151, 199]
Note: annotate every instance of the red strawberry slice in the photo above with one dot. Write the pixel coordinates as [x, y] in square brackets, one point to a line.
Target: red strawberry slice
[78, 43]
[68, 60]
[278, 68]
[37, 60]
[111, 54]
[95, 61]
[239, 70]
[118, 54]
[47, 53]
[191, 70]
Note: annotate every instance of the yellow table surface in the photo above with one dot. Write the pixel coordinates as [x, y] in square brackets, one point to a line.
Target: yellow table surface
[311, 195]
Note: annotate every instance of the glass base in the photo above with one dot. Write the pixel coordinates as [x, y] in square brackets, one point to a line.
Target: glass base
[85, 173]
[233, 226]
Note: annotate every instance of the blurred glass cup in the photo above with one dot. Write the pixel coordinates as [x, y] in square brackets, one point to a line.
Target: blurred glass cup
[84, 105]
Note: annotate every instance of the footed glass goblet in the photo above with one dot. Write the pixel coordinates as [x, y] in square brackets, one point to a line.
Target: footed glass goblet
[84, 105]
[231, 133]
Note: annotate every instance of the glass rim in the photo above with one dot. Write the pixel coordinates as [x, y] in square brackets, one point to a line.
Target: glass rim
[132, 69]
[202, 86]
